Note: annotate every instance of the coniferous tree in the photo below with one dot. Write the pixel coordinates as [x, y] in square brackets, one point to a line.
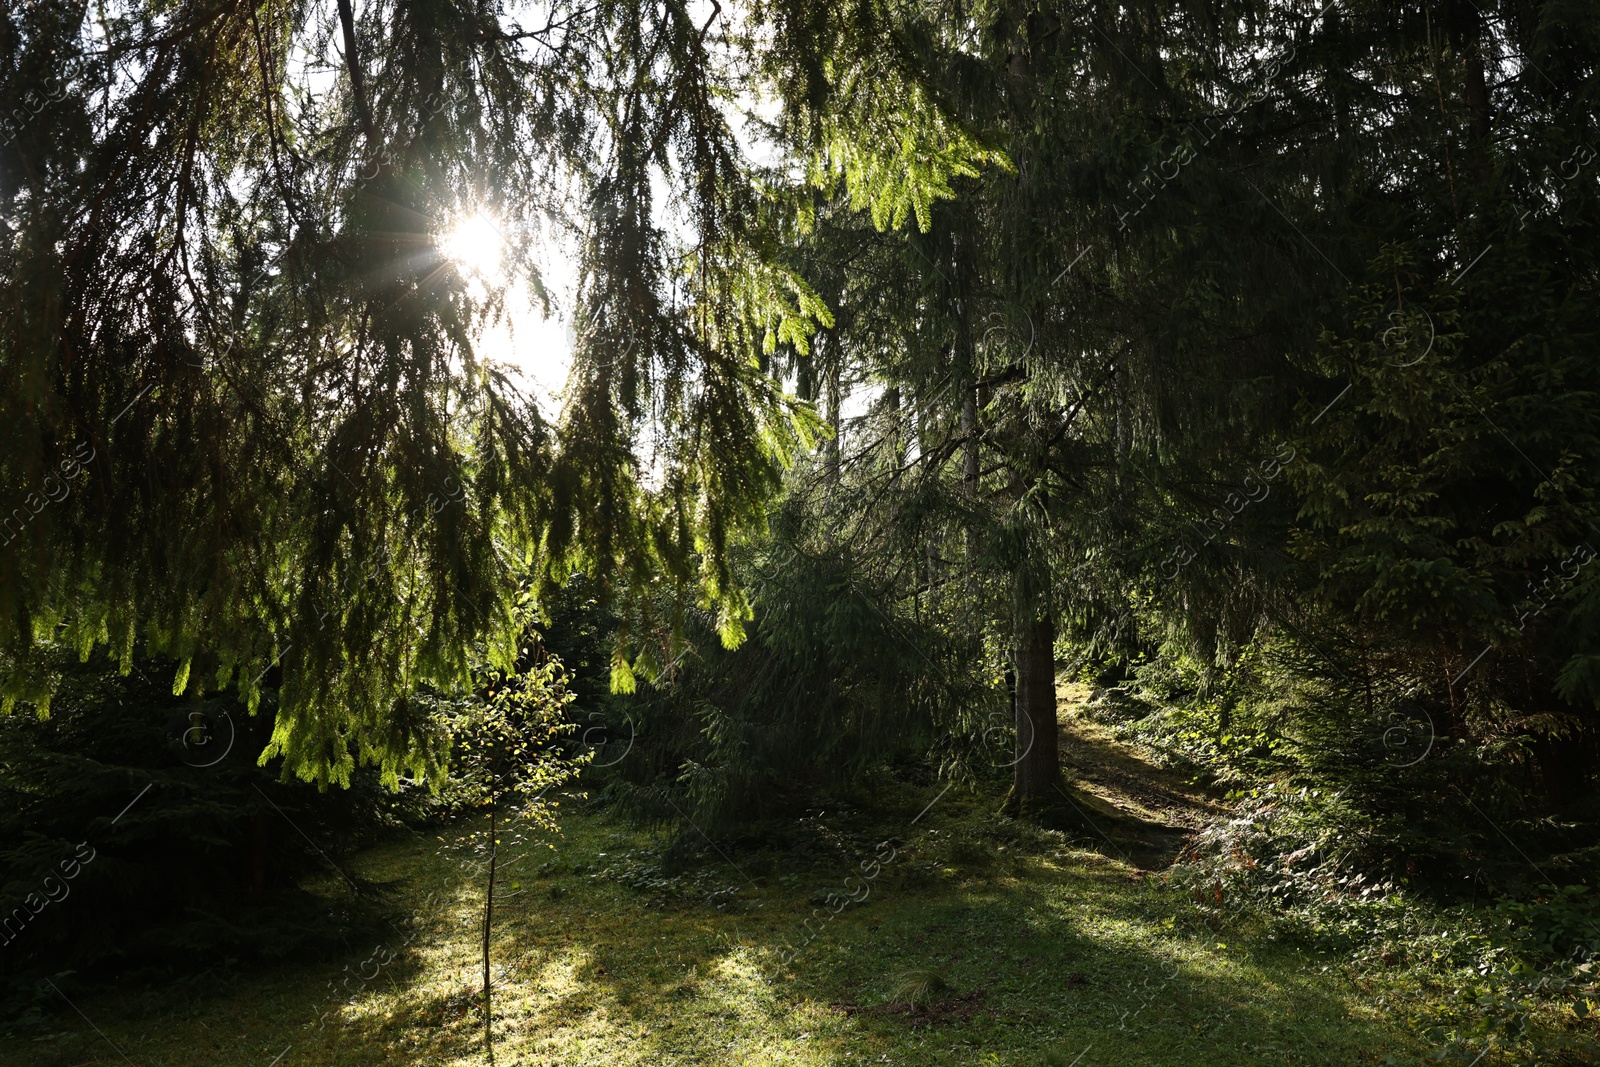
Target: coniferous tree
[1187, 283]
[245, 422]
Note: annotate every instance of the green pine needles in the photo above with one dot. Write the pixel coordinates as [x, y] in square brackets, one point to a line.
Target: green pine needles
[219, 271]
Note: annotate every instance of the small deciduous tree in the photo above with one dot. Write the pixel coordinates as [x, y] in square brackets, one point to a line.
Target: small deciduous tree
[509, 757]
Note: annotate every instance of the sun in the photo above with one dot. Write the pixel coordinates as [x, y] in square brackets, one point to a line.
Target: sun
[475, 245]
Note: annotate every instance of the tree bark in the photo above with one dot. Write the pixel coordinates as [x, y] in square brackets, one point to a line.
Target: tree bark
[969, 433]
[835, 418]
[488, 923]
[1468, 26]
[1036, 775]
[1480, 114]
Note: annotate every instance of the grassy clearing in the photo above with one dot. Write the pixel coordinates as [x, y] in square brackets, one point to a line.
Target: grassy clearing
[1046, 950]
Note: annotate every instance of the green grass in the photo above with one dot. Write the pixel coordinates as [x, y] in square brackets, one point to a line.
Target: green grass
[1073, 952]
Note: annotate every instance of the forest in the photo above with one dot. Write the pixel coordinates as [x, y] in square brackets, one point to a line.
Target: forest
[781, 532]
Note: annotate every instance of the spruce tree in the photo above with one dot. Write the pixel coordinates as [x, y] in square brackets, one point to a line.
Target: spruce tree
[240, 381]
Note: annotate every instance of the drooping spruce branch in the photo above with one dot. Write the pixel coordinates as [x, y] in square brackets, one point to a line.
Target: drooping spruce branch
[223, 310]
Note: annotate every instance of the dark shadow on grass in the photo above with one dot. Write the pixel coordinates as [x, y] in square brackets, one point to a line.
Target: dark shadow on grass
[1041, 945]
[1045, 946]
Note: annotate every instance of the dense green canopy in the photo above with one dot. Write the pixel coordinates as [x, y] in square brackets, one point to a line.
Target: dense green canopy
[1275, 328]
[1234, 360]
[244, 421]
[1185, 329]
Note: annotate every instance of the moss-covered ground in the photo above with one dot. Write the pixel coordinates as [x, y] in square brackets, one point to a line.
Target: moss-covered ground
[1031, 948]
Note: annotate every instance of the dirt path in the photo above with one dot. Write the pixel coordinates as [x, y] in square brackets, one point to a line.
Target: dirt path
[1144, 812]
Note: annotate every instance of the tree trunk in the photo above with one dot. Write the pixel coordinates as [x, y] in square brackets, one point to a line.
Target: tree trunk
[969, 431]
[1480, 112]
[835, 416]
[488, 921]
[1036, 775]
[1468, 28]
[1119, 384]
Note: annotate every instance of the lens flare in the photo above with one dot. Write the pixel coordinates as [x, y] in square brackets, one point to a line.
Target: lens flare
[475, 245]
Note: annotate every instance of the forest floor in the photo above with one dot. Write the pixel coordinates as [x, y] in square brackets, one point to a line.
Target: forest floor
[1037, 950]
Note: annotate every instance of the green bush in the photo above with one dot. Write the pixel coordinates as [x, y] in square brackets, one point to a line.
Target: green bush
[138, 833]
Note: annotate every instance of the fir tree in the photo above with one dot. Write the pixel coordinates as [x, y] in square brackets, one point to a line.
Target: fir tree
[228, 338]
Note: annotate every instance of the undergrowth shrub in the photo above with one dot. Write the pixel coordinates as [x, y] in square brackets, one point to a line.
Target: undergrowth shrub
[1515, 974]
[835, 682]
[138, 835]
